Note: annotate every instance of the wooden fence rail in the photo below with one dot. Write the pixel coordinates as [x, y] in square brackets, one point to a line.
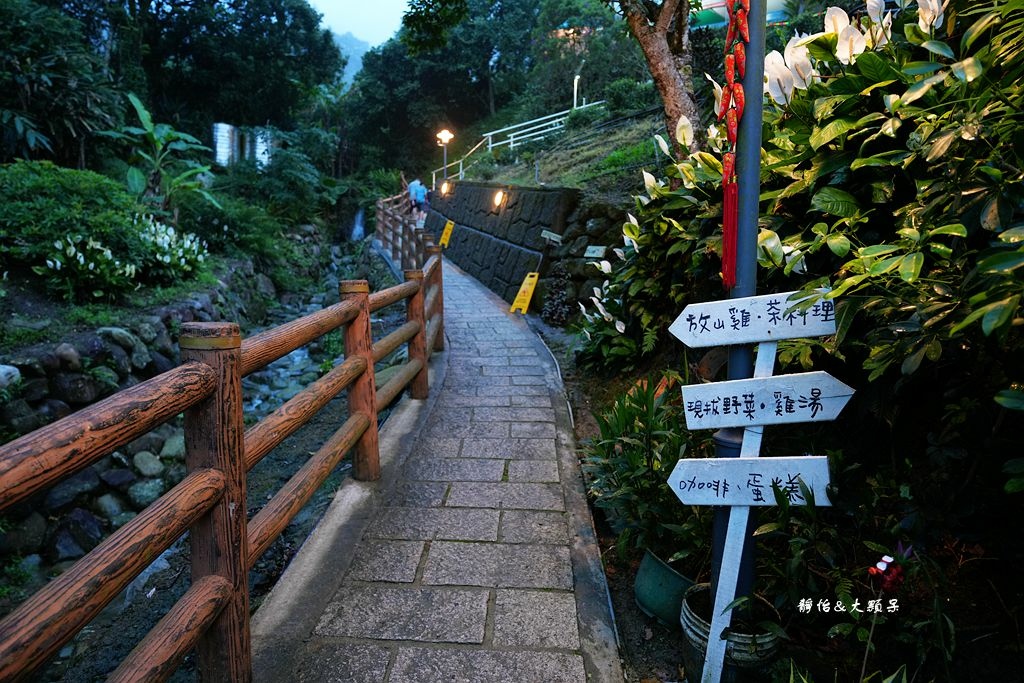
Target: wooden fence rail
[398, 235]
[212, 617]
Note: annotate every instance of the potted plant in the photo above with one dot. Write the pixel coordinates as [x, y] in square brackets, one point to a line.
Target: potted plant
[642, 436]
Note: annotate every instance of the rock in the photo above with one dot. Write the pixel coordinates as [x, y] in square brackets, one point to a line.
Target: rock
[84, 527]
[120, 360]
[69, 357]
[63, 547]
[160, 363]
[146, 331]
[75, 388]
[109, 506]
[27, 365]
[265, 286]
[148, 464]
[175, 473]
[174, 447]
[9, 375]
[92, 347]
[24, 537]
[143, 493]
[35, 389]
[19, 416]
[65, 493]
[122, 519]
[150, 441]
[53, 409]
[129, 342]
[50, 362]
[119, 478]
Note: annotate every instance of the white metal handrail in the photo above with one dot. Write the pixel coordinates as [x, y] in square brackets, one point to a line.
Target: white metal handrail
[527, 130]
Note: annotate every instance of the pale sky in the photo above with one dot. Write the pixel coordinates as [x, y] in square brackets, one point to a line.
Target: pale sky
[371, 20]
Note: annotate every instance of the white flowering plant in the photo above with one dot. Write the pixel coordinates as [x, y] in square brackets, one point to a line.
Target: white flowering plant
[169, 254]
[82, 267]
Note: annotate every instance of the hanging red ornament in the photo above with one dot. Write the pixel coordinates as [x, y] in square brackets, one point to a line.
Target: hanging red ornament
[742, 26]
[738, 100]
[731, 126]
[730, 69]
[726, 102]
[740, 52]
[730, 216]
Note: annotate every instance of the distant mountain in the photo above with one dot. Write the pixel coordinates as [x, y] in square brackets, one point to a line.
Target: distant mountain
[353, 49]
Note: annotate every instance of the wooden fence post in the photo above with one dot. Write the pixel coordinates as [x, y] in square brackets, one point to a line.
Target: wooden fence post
[396, 240]
[214, 438]
[420, 386]
[419, 251]
[378, 229]
[437, 280]
[362, 393]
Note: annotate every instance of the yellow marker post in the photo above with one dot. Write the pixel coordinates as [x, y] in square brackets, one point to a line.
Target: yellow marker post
[446, 234]
[522, 301]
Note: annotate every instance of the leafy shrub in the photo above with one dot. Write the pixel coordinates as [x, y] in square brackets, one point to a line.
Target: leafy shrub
[579, 119]
[232, 226]
[169, 255]
[625, 96]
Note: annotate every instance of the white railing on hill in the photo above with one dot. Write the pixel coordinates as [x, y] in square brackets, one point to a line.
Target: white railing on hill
[513, 135]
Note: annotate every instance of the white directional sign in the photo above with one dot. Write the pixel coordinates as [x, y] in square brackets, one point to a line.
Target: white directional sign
[803, 397]
[752, 319]
[749, 481]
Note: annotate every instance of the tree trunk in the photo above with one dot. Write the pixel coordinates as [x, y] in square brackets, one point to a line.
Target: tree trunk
[669, 67]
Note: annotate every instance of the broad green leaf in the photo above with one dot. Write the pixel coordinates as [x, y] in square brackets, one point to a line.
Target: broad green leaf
[842, 286]
[769, 244]
[978, 28]
[872, 66]
[877, 160]
[1002, 263]
[767, 528]
[1013, 235]
[709, 161]
[136, 181]
[824, 135]
[1000, 314]
[143, 114]
[939, 48]
[839, 244]
[835, 201]
[921, 88]
[1014, 400]
[940, 143]
[891, 126]
[955, 229]
[870, 118]
[875, 86]
[824, 106]
[921, 68]
[910, 266]
[968, 69]
[990, 219]
[885, 265]
[876, 250]
[914, 34]
[912, 362]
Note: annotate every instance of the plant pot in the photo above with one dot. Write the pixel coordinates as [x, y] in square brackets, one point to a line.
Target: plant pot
[747, 656]
[659, 589]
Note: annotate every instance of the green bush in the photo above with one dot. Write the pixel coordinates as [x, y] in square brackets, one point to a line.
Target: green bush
[625, 96]
[579, 119]
[234, 227]
[78, 232]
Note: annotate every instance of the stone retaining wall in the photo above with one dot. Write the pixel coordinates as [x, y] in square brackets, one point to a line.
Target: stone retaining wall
[500, 244]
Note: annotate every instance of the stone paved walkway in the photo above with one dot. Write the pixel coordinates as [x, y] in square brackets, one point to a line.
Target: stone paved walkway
[474, 559]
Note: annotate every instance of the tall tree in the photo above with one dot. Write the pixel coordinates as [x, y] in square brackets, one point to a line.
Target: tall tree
[660, 27]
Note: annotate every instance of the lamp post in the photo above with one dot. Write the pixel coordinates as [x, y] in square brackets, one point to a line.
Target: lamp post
[443, 138]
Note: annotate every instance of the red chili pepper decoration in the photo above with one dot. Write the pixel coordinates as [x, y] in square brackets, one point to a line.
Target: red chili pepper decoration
[729, 7]
[728, 167]
[738, 99]
[746, 6]
[730, 69]
[730, 35]
[739, 51]
[732, 124]
[742, 25]
[726, 100]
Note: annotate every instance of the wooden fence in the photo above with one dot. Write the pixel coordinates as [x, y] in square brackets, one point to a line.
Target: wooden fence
[212, 617]
[397, 232]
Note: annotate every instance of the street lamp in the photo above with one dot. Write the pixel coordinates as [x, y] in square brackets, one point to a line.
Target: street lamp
[443, 138]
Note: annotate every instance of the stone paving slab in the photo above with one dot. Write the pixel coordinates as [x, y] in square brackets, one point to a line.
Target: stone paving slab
[509, 449]
[419, 665]
[452, 524]
[345, 663]
[532, 430]
[499, 565]
[437, 447]
[536, 619]
[540, 471]
[532, 526]
[455, 469]
[418, 494]
[513, 414]
[389, 561]
[433, 615]
[505, 495]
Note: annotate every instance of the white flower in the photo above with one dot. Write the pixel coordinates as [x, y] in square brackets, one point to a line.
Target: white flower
[619, 253]
[851, 43]
[58, 245]
[875, 9]
[879, 34]
[718, 94]
[620, 326]
[602, 265]
[836, 19]
[650, 183]
[929, 14]
[49, 264]
[684, 131]
[662, 145]
[798, 59]
[81, 260]
[779, 82]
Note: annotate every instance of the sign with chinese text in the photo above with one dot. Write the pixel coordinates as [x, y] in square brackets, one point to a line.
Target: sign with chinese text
[749, 481]
[752, 319]
[446, 234]
[551, 236]
[782, 399]
[522, 301]
[597, 251]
